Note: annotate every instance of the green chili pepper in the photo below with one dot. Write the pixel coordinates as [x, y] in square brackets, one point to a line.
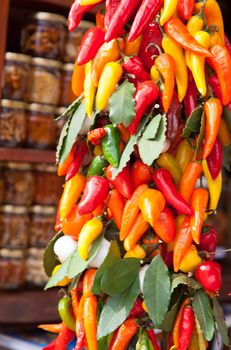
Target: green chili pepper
[97, 166]
[65, 312]
[111, 145]
[143, 341]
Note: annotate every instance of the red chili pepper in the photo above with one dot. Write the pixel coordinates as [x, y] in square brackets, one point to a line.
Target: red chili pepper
[227, 44]
[122, 182]
[186, 328]
[185, 9]
[120, 18]
[137, 309]
[63, 339]
[111, 6]
[214, 160]
[95, 192]
[80, 151]
[173, 117]
[95, 136]
[147, 93]
[190, 100]
[215, 85]
[164, 182]
[134, 66]
[209, 276]
[141, 174]
[146, 13]
[123, 335]
[90, 44]
[151, 40]
[152, 337]
[208, 241]
[76, 14]
[165, 226]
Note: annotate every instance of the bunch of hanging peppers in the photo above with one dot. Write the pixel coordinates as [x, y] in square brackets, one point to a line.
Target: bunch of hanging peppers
[151, 80]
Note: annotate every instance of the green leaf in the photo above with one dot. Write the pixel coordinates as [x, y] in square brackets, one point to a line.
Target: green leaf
[102, 343]
[226, 160]
[184, 279]
[119, 276]
[150, 149]
[203, 310]
[152, 128]
[49, 257]
[75, 125]
[112, 256]
[221, 324]
[122, 104]
[227, 116]
[70, 109]
[193, 123]
[202, 132]
[157, 290]
[59, 275]
[169, 318]
[62, 138]
[117, 309]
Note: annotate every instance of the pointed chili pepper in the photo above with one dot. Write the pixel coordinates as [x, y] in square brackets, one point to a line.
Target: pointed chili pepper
[140, 174]
[88, 281]
[151, 203]
[146, 13]
[89, 233]
[53, 328]
[116, 206]
[134, 66]
[74, 222]
[90, 44]
[90, 321]
[77, 80]
[61, 342]
[95, 191]
[166, 66]
[213, 111]
[182, 243]
[111, 6]
[97, 166]
[120, 18]
[215, 85]
[173, 118]
[185, 9]
[74, 301]
[111, 145]
[80, 151]
[186, 328]
[146, 95]
[65, 312]
[122, 181]
[152, 337]
[167, 161]
[178, 32]
[137, 309]
[221, 63]
[80, 331]
[189, 178]
[95, 136]
[89, 89]
[124, 334]
[214, 160]
[76, 13]
[163, 180]
[190, 100]
[165, 226]
[199, 203]
[184, 154]
[138, 229]
[63, 167]
[168, 10]
[215, 186]
[177, 323]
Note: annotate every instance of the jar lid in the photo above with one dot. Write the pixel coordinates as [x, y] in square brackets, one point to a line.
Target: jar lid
[18, 166]
[6, 253]
[68, 67]
[40, 209]
[12, 56]
[46, 168]
[37, 107]
[44, 62]
[46, 16]
[60, 110]
[13, 104]
[13, 209]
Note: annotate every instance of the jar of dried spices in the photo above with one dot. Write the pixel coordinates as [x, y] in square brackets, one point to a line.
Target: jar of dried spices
[15, 76]
[12, 123]
[14, 227]
[41, 128]
[2, 184]
[45, 36]
[35, 274]
[66, 94]
[44, 81]
[19, 183]
[12, 269]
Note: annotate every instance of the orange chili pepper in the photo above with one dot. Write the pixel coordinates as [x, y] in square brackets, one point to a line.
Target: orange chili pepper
[99, 19]
[116, 206]
[77, 80]
[90, 321]
[140, 174]
[151, 203]
[224, 133]
[199, 202]
[74, 222]
[130, 212]
[213, 17]
[80, 331]
[75, 301]
[166, 66]
[165, 226]
[182, 243]
[99, 210]
[132, 47]
[138, 229]
[124, 133]
[177, 323]
[124, 334]
[189, 178]
[213, 111]
[88, 281]
[53, 328]
[63, 167]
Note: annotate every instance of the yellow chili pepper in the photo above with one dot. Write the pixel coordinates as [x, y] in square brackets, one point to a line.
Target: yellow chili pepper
[132, 47]
[195, 23]
[89, 2]
[155, 75]
[191, 260]
[167, 161]
[89, 89]
[168, 10]
[184, 154]
[194, 341]
[213, 17]
[187, 56]
[181, 73]
[214, 186]
[198, 62]
[90, 231]
[110, 77]
[65, 281]
[224, 133]
[201, 340]
[137, 252]
[71, 193]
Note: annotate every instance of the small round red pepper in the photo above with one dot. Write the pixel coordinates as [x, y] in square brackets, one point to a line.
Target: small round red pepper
[209, 275]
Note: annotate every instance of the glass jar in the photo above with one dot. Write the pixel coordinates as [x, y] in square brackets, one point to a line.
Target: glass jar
[2, 185]
[74, 40]
[66, 95]
[15, 76]
[14, 227]
[45, 36]
[44, 81]
[60, 122]
[12, 269]
[35, 274]
[19, 183]
[41, 128]
[12, 123]
[42, 225]
[48, 185]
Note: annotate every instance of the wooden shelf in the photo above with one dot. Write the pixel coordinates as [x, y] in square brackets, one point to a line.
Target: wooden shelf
[27, 155]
